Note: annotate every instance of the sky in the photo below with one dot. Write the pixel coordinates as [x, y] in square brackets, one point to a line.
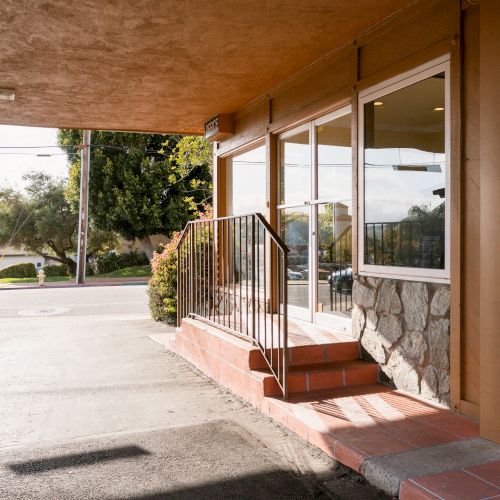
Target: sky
[23, 160]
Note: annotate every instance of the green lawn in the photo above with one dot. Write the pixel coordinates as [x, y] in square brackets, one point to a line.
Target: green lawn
[127, 272]
[48, 279]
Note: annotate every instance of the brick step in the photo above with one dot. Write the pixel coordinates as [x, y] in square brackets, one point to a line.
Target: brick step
[305, 355]
[246, 356]
[321, 376]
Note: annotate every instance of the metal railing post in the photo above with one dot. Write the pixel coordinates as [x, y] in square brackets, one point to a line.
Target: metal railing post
[179, 295]
[253, 275]
[285, 326]
[191, 270]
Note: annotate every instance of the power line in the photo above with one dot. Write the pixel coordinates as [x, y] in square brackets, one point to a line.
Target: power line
[103, 146]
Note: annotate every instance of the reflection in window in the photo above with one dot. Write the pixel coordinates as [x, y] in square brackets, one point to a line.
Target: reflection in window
[334, 257]
[246, 177]
[295, 169]
[404, 176]
[295, 234]
[334, 159]
[247, 194]
[334, 219]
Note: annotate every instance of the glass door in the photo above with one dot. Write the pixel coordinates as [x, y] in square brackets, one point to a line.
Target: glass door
[333, 221]
[295, 216]
[315, 218]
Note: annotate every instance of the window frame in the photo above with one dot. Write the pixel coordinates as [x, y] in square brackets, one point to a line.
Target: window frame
[440, 65]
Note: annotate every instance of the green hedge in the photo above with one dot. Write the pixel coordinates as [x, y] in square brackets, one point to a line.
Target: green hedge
[109, 263]
[56, 270]
[19, 271]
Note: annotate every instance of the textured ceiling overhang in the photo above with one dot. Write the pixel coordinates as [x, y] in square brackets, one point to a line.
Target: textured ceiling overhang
[162, 66]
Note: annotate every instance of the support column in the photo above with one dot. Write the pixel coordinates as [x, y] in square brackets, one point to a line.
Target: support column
[490, 220]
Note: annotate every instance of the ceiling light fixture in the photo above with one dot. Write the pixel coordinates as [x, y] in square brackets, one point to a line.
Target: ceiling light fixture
[378, 103]
[7, 94]
[439, 108]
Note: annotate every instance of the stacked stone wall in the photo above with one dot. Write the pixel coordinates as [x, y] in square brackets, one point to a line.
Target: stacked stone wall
[405, 327]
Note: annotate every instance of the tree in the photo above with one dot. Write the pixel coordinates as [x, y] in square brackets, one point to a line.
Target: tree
[43, 221]
[141, 184]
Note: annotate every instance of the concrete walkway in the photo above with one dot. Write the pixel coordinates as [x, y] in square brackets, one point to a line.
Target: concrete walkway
[92, 407]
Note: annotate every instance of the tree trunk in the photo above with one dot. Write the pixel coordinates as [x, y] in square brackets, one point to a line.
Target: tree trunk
[147, 246]
[63, 259]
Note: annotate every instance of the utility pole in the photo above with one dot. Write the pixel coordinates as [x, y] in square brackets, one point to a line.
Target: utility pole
[84, 207]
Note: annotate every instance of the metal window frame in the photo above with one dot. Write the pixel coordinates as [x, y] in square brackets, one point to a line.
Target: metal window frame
[440, 65]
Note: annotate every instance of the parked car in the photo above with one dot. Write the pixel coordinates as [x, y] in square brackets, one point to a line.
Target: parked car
[341, 280]
[294, 275]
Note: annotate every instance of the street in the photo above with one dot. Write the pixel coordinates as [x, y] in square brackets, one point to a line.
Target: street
[92, 407]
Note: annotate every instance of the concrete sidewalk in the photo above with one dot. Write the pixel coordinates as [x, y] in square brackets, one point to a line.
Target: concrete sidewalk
[70, 284]
[91, 407]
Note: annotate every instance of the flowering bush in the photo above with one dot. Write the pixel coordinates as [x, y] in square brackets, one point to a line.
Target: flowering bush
[162, 288]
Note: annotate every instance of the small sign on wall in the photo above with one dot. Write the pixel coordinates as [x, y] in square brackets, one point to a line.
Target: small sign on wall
[219, 127]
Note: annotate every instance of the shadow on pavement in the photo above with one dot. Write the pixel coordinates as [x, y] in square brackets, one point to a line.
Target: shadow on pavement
[76, 459]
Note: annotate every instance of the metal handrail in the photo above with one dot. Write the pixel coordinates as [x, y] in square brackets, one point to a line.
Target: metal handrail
[274, 235]
[232, 273]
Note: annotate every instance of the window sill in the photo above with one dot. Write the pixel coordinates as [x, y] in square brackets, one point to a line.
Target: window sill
[404, 276]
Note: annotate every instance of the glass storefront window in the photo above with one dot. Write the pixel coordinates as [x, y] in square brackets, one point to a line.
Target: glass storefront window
[404, 174]
[246, 180]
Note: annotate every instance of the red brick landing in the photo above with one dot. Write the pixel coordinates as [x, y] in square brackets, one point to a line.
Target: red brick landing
[336, 404]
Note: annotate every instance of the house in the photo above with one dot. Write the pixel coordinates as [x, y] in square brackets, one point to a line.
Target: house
[145, 245]
[10, 256]
[355, 184]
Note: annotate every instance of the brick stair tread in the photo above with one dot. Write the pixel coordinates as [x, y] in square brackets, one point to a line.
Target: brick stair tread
[325, 376]
[326, 366]
[337, 392]
[315, 354]
[330, 366]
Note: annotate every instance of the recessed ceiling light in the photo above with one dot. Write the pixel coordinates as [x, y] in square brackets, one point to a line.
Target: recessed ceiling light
[378, 103]
[439, 108]
[7, 94]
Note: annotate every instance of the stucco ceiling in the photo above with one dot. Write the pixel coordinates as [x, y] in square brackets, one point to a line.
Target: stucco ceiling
[162, 65]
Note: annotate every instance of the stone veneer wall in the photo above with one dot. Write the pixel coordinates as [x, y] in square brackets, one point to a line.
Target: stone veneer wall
[404, 326]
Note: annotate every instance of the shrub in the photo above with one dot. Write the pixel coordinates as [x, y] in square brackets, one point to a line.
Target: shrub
[134, 259]
[56, 270]
[27, 270]
[162, 288]
[104, 264]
